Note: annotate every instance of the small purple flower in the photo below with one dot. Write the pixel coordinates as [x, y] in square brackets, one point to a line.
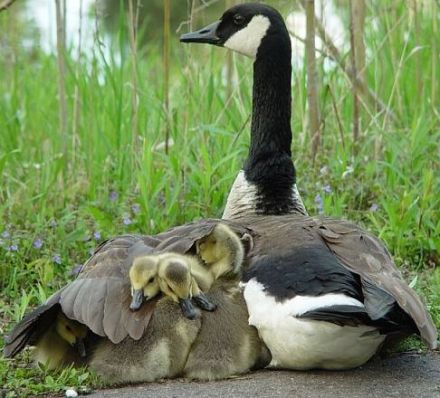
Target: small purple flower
[319, 203]
[135, 208]
[113, 196]
[53, 223]
[327, 189]
[38, 244]
[76, 269]
[13, 248]
[56, 259]
[6, 234]
[126, 220]
[97, 235]
[374, 207]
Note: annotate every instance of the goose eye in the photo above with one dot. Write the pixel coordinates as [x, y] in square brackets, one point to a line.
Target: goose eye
[238, 19]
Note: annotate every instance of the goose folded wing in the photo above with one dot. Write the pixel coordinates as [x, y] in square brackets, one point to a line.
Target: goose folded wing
[100, 296]
[382, 283]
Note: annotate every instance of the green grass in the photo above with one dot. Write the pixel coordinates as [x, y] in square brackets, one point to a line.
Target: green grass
[112, 183]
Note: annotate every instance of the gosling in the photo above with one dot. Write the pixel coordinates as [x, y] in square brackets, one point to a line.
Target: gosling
[170, 273]
[222, 251]
[62, 344]
[177, 281]
[222, 352]
[143, 279]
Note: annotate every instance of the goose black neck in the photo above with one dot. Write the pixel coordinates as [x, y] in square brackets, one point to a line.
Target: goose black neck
[269, 165]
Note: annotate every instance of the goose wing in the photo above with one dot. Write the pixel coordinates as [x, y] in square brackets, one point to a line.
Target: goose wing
[100, 295]
[381, 283]
[31, 327]
[368, 257]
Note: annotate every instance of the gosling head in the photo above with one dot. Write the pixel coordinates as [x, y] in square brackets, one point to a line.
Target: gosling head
[243, 28]
[143, 279]
[222, 249]
[72, 332]
[176, 282]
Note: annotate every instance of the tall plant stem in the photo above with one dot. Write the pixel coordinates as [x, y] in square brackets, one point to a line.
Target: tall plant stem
[61, 50]
[166, 69]
[312, 81]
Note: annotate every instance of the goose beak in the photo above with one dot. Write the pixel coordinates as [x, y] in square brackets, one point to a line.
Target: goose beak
[205, 35]
[188, 309]
[79, 346]
[137, 299]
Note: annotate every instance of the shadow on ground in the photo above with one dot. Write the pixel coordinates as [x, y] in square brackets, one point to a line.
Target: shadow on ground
[403, 375]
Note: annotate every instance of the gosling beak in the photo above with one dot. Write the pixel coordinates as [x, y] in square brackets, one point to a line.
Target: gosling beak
[205, 35]
[188, 309]
[79, 347]
[203, 302]
[137, 299]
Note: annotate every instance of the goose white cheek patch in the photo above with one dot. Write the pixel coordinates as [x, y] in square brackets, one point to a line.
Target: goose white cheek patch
[247, 40]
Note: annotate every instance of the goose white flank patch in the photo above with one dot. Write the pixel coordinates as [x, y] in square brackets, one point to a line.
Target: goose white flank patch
[301, 344]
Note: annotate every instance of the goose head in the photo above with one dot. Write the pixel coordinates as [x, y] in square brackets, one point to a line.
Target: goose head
[267, 183]
[243, 28]
[143, 279]
[176, 282]
[72, 332]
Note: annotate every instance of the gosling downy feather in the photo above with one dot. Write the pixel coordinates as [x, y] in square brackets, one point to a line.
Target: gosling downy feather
[143, 280]
[320, 278]
[161, 352]
[62, 344]
[177, 281]
[226, 344]
[222, 251]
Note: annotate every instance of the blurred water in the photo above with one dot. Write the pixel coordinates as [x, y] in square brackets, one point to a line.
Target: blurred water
[42, 13]
[81, 14]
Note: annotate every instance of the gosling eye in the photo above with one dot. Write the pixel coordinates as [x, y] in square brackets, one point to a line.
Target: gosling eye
[68, 328]
[238, 19]
[151, 279]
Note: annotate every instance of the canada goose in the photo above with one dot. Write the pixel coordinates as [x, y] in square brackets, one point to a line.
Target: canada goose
[323, 293]
[346, 261]
[62, 344]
